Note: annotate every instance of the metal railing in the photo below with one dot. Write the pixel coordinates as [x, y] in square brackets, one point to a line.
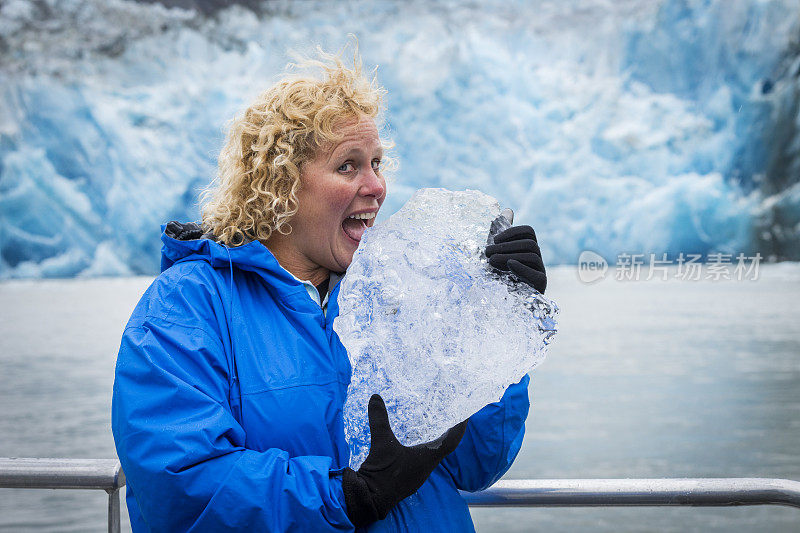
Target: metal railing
[107, 475]
[97, 474]
[705, 492]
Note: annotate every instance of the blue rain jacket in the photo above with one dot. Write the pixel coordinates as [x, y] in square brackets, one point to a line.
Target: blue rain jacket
[227, 407]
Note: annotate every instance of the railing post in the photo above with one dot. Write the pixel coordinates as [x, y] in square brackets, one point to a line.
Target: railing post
[113, 500]
[113, 511]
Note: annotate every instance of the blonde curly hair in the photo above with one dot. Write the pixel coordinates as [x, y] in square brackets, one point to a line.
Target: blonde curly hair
[255, 192]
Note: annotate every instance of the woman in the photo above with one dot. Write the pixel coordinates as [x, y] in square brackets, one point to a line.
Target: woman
[230, 381]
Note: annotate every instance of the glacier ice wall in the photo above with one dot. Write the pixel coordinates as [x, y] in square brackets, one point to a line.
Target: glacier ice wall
[428, 325]
[613, 126]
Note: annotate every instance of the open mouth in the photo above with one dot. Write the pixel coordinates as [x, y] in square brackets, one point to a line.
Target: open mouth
[355, 225]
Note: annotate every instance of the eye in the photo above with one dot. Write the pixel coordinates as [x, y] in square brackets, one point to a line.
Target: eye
[376, 164]
[346, 167]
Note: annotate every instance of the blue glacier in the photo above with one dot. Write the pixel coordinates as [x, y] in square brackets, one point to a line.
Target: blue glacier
[630, 126]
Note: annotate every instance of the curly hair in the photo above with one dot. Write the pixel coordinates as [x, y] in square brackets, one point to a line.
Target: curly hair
[255, 192]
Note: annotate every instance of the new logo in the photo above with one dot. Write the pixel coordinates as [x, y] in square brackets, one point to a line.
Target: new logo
[591, 267]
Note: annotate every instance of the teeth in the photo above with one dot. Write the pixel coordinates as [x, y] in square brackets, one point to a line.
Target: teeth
[363, 216]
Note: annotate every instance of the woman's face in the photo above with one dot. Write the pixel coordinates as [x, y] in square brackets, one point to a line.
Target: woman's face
[342, 180]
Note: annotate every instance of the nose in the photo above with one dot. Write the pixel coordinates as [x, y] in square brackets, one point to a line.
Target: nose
[372, 184]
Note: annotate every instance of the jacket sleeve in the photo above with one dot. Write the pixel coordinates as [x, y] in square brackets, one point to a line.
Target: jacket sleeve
[184, 454]
[492, 440]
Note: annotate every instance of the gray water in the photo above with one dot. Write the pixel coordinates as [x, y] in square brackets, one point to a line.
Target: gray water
[645, 379]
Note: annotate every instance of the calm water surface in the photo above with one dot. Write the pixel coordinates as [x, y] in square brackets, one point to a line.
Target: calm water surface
[645, 379]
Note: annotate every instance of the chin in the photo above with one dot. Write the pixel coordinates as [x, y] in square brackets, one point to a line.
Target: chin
[340, 263]
[344, 259]
[346, 264]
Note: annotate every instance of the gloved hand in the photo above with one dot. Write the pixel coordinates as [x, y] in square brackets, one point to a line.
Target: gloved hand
[516, 250]
[391, 471]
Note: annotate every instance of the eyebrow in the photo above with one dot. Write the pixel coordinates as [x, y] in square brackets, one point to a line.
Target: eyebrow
[352, 150]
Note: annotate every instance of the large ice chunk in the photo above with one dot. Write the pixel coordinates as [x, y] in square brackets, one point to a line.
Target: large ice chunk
[426, 323]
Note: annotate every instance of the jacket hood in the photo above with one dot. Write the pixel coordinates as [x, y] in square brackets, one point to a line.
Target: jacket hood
[187, 242]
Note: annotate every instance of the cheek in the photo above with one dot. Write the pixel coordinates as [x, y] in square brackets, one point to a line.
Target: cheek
[339, 201]
[326, 208]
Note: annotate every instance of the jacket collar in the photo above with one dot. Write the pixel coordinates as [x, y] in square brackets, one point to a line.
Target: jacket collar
[186, 242]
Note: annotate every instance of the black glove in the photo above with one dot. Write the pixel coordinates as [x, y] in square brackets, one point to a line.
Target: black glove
[516, 250]
[391, 471]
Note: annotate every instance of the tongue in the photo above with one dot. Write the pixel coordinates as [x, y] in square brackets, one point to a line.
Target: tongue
[354, 228]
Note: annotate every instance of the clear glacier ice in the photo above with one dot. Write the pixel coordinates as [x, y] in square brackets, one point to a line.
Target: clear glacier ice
[428, 325]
